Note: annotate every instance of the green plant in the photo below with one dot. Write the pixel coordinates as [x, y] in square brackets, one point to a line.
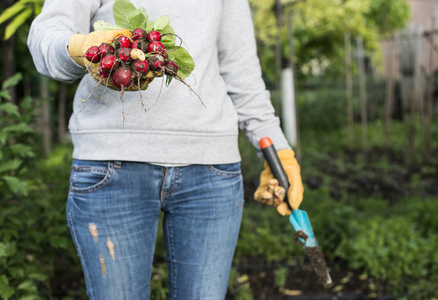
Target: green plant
[244, 293]
[330, 220]
[266, 234]
[389, 249]
[238, 286]
[13, 132]
[159, 287]
[280, 277]
[33, 233]
[19, 13]
[19, 276]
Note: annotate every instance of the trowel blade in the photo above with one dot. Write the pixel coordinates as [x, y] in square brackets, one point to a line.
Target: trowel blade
[305, 236]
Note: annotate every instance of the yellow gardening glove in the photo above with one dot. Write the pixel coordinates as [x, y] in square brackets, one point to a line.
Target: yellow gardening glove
[75, 45]
[270, 193]
[78, 44]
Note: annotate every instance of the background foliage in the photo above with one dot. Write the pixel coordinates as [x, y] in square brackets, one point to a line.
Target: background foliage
[319, 27]
[374, 212]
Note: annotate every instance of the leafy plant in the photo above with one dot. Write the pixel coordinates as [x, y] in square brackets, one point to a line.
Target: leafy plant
[13, 132]
[159, 285]
[266, 234]
[280, 277]
[19, 13]
[390, 250]
[20, 277]
[33, 233]
[238, 286]
[319, 28]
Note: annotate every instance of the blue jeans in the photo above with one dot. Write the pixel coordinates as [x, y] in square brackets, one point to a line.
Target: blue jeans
[113, 210]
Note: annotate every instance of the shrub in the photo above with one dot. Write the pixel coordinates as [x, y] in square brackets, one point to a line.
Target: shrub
[392, 250]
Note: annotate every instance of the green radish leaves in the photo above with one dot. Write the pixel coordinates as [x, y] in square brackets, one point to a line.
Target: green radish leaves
[138, 21]
[104, 26]
[143, 11]
[123, 12]
[169, 39]
[127, 16]
[161, 23]
[185, 62]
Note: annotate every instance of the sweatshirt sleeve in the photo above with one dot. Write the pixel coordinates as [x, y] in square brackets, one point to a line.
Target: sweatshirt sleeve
[241, 71]
[50, 32]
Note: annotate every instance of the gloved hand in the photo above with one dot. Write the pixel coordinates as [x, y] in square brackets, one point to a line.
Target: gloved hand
[270, 193]
[78, 44]
[75, 45]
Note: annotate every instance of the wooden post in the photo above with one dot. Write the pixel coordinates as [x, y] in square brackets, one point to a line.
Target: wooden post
[45, 116]
[363, 94]
[349, 89]
[278, 57]
[389, 91]
[410, 50]
[429, 110]
[294, 85]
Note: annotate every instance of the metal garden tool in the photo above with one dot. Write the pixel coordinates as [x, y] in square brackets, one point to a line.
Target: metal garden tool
[298, 218]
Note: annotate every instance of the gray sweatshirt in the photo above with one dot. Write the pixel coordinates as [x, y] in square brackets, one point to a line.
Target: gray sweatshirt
[177, 129]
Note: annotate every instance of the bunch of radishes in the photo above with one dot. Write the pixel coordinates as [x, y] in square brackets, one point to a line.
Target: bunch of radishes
[132, 62]
[130, 54]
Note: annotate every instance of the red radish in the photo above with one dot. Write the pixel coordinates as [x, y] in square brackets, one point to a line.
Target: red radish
[171, 68]
[138, 33]
[105, 49]
[122, 42]
[156, 62]
[140, 67]
[109, 63]
[140, 44]
[153, 36]
[92, 54]
[156, 47]
[124, 54]
[122, 77]
[103, 73]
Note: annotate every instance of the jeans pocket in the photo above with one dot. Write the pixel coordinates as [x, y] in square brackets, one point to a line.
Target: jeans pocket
[88, 176]
[227, 170]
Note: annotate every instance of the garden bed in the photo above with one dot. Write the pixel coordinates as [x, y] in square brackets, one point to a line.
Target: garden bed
[299, 282]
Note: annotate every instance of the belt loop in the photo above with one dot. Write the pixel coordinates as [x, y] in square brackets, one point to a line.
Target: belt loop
[117, 164]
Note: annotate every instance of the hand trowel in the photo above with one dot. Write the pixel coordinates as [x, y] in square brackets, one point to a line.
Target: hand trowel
[299, 219]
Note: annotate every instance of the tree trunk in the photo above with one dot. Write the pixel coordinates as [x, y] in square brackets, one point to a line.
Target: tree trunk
[62, 103]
